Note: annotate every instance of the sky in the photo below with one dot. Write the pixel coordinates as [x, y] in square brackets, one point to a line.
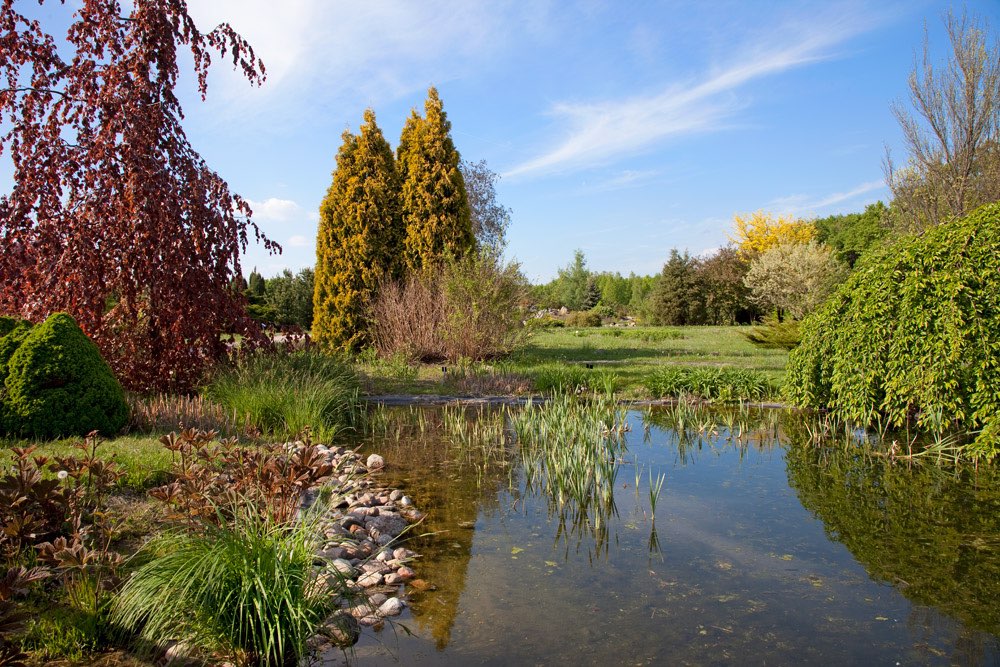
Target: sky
[623, 129]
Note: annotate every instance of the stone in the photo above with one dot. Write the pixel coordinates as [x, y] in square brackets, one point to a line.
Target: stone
[176, 651]
[405, 501]
[343, 567]
[383, 556]
[373, 621]
[333, 553]
[423, 585]
[376, 599]
[384, 540]
[386, 524]
[403, 553]
[406, 573]
[392, 579]
[342, 629]
[370, 579]
[391, 607]
[395, 494]
[375, 462]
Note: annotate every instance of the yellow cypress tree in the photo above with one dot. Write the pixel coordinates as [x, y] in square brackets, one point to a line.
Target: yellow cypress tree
[434, 201]
[359, 240]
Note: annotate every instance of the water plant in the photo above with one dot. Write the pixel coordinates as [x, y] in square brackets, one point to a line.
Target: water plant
[571, 450]
[655, 486]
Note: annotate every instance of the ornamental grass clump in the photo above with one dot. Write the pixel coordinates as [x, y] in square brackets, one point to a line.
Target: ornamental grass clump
[913, 336]
[245, 588]
[282, 394]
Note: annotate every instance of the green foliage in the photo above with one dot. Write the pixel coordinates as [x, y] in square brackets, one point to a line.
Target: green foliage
[359, 240]
[929, 527]
[290, 298]
[544, 322]
[12, 334]
[247, 588]
[675, 299]
[852, 234]
[256, 285]
[915, 331]
[435, 205]
[775, 334]
[573, 283]
[281, 394]
[714, 384]
[795, 278]
[58, 384]
[583, 318]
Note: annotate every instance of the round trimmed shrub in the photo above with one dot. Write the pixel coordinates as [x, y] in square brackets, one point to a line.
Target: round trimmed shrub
[12, 334]
[914, 334]
[57, 384]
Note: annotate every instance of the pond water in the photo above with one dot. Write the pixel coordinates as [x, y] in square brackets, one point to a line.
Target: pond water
[764, 550]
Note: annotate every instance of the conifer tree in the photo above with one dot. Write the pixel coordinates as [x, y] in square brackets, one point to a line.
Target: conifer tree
[359, 240]
[434, 201]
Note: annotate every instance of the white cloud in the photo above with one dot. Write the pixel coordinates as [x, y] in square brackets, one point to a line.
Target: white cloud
[297, 241]
[276, 210]
[317, 51]
[599, 132]
[799, 204]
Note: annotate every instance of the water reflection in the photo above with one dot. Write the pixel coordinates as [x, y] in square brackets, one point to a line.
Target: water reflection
[745, 558]
[932, 533]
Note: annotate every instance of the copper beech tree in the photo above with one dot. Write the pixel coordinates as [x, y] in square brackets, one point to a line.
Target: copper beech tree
[113, 216]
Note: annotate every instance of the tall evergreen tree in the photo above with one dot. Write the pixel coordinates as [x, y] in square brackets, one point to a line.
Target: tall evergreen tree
[434, 201]
[360, 237]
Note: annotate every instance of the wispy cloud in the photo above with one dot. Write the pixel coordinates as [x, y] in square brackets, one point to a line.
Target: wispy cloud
[799, 204]
[320, 53]
[629, 178]
[297, 241]
[599, 132]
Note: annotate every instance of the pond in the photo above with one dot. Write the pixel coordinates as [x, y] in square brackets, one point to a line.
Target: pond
[764, 549]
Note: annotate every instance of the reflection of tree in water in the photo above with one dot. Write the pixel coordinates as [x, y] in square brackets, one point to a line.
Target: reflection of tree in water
[933, 534]
[436, 473]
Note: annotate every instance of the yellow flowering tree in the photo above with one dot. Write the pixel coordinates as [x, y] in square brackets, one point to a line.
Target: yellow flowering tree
[755, 233]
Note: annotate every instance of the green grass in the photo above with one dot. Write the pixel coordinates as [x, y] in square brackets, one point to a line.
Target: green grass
[624, 359]
[145, 462]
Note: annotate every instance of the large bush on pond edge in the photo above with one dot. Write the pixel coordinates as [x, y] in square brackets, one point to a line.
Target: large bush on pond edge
[914, 333]
[57, 383]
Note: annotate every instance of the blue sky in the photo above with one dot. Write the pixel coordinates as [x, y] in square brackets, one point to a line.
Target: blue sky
[624, 129]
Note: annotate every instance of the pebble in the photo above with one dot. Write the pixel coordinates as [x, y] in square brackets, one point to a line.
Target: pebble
[375, 462]
[391, 607]
[370, 579]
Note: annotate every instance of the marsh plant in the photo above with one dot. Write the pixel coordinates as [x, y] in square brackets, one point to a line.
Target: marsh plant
[280, 394]
[572, 450]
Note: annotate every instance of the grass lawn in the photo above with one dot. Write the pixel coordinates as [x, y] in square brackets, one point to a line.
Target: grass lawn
[629, 354]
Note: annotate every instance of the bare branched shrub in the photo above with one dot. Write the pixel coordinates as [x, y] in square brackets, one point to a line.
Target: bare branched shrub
[466, 308]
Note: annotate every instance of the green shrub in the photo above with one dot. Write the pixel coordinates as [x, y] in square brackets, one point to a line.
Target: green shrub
[583, 318]
[774, 334]
[57, 384]
[713, 384]
[12, 334]
[914, 332]
[281, 394]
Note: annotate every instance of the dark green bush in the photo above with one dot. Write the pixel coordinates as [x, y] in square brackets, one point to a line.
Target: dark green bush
[583, 318]
[57, 384]
[12, 334]
[914, 333]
